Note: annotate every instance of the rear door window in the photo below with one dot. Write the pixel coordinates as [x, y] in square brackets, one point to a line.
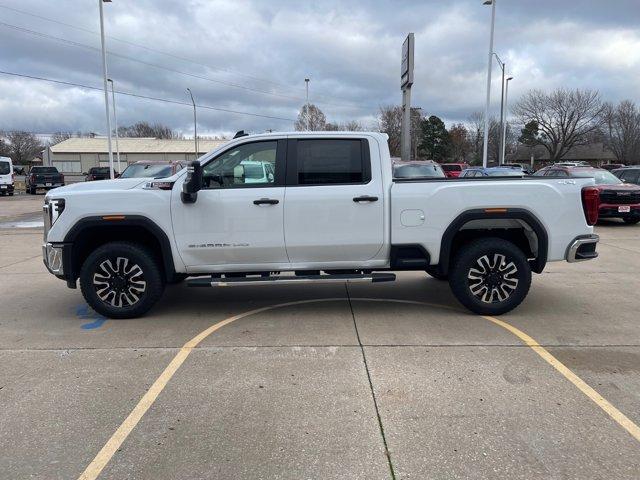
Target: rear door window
[5, 168]
[329, 162]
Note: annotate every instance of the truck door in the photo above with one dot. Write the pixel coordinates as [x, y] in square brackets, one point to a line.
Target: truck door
[334, 205]
[236, 220]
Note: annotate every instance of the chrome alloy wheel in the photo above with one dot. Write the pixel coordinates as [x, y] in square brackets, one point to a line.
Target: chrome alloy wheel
[120, 285]
[493, 280]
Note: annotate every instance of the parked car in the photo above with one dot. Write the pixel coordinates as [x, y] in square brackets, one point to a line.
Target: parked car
[612, 166]
[43, 177]
[628, 174]
[151, 169]
[343, 214]
[418, 169]
[257, 171]
[492, 172]
[452, 170]
[97, 173]
[6, 176]
[617, 199]
[527, 169]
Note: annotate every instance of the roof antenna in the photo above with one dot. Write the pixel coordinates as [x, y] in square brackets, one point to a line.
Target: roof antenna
[240, 133]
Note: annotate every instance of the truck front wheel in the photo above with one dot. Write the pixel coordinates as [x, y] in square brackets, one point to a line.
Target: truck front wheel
[490, 276]
[121, 280]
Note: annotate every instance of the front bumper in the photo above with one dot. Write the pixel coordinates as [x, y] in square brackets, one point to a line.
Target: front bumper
[582, 248]
[608, 210]
[52, 256]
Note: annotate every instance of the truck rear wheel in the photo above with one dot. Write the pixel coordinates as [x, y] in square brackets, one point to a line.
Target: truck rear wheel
[490, 276]
[121, 280]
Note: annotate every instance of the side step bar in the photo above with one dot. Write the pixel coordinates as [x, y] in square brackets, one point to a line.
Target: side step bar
[281, 280]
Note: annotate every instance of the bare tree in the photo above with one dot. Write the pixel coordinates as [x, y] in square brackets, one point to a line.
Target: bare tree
[459, 142]
[23, 147]
[565, 118]
[59, 137]
[317, 119]
[475, 131]
[350, 126]
[390, 122]
[144, 129]
[621, 131]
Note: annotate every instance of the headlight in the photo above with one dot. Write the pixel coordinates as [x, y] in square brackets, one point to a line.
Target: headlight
[55, 208]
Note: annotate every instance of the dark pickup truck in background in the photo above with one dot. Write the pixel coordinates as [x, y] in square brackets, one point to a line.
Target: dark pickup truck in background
[43, 177]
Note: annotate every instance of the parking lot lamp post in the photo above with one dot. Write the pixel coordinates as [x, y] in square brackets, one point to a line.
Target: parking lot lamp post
[503, 68]
[106, 91]
[115, 122]
[195, 123]
[306, 105]
[485, 147]
[504, 127]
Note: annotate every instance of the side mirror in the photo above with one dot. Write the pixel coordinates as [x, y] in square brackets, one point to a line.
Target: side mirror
[193, 183]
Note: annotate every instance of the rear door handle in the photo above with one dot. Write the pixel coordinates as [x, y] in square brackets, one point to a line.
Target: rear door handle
[266, 201]
[365, 198]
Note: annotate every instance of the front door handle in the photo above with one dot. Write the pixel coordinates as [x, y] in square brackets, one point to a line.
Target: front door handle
[365, 198]
[266, 201]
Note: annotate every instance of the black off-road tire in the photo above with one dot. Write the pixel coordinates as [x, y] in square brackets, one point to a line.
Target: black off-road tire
[490, 276]
[631, 220]
[121, 280]
[434, 271]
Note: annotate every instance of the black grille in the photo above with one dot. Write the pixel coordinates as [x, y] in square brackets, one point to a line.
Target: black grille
[620, 197]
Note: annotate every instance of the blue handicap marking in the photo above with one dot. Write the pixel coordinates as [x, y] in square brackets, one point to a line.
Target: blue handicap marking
[85, 313]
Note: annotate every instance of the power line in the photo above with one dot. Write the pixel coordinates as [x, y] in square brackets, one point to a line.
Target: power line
[146, 97]
[185, 59]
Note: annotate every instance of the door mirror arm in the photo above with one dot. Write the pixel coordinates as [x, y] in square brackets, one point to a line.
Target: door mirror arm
[193, 183]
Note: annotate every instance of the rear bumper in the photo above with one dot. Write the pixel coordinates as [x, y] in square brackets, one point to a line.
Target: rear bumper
[7, 187]
[582, 248]
[45, 185]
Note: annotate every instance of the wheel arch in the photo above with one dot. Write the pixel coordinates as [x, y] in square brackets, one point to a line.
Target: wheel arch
[91, 232]
[502, 223]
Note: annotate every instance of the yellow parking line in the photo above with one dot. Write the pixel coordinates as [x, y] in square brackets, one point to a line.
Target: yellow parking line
[113, 444]
[598, 399]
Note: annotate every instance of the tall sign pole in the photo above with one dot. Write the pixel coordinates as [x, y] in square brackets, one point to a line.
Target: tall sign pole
[406, 81]
[106, 92]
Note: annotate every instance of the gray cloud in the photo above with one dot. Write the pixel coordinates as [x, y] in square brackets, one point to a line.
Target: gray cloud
[350, 50]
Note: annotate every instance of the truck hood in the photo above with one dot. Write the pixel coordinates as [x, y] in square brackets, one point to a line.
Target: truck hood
[102, 185]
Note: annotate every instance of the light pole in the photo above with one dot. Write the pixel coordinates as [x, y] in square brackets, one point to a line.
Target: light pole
[115, 121]
[195, 122]
[486, 110]
[106, 92]
[503, 67]
[504, 127]
[306, 106]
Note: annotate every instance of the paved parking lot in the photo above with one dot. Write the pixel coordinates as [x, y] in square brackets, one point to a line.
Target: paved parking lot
[323, 381]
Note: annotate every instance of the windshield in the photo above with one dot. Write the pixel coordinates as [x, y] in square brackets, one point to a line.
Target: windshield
[146, 171]
[602, 177]
[505, 172]
[412, 171]
[4, 168]
[99, 170]
[451, 168]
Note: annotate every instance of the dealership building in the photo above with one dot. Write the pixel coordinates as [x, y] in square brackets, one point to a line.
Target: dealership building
[75, 156]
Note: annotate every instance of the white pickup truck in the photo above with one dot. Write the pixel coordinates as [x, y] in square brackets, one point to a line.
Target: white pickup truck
[328, 210]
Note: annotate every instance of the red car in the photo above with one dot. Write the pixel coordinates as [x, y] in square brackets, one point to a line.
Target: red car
[617, 199]
[453, 170]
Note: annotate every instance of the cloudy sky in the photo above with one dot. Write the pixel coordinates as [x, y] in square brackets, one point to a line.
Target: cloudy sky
[252, 56]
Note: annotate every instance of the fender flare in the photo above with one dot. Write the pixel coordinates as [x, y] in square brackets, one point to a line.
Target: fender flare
[127, 221]
[454, 227]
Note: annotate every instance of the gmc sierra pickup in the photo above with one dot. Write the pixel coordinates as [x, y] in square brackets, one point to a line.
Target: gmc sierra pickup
[328, 210]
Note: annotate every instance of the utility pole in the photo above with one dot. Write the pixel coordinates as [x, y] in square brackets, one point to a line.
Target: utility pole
[485, 147]
[406, 81]
[306, 106]
[503, 66]
[115, 121]
[504, 127]
[106, 92]
[195, 123]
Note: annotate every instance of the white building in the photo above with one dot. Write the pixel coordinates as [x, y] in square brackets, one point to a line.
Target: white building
[75, 156]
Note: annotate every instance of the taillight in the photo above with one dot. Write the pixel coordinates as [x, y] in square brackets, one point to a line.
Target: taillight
[61, 178]
[591, 204]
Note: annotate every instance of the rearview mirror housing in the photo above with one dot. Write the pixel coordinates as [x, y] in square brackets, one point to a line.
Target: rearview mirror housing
[193, 183]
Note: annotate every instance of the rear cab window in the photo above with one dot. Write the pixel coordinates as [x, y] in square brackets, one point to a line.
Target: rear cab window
[328, 161]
